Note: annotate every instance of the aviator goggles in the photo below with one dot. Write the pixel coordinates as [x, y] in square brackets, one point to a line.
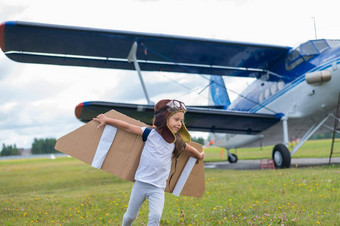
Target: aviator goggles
[173, 106]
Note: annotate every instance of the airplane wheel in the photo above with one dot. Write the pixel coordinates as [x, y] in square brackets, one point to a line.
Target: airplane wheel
[281, 156]
[233, 158]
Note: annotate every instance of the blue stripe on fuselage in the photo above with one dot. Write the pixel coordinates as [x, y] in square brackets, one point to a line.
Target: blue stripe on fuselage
[285, 89]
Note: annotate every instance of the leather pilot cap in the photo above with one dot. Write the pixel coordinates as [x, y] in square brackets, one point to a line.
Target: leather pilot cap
[162, 111]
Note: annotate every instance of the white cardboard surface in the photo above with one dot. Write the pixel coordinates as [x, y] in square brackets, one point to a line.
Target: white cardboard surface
[184, 176]
[104, 145]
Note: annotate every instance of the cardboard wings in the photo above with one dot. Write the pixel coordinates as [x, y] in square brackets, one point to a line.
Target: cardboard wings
[123, 154]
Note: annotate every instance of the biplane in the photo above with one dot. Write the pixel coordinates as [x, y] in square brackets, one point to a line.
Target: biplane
[294, 94]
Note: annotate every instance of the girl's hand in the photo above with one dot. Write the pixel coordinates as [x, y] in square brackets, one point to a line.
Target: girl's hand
[102, 119]
[194, 152]
[201, 155]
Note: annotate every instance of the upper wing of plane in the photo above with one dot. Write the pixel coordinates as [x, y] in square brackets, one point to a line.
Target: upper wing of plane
[66, 45]
[196, 119]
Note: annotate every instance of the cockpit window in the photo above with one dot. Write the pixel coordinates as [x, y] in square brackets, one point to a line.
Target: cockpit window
[294, 54]
[333, 43]
[308, 50]
[321, 45]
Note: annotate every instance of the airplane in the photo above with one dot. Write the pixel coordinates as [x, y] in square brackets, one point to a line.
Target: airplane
[296, 85]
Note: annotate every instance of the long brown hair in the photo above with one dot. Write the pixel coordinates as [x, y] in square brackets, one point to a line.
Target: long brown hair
[179, 146]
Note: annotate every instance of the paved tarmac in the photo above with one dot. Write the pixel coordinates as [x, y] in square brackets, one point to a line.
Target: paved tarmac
[255, 164]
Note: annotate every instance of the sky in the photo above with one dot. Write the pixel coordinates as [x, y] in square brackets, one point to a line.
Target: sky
[38, 101]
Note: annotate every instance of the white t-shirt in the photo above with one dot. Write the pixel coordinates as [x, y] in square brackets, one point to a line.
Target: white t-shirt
[155, 162]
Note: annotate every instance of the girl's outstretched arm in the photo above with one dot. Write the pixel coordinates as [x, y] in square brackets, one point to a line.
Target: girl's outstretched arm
[194, 152]
[103, 120]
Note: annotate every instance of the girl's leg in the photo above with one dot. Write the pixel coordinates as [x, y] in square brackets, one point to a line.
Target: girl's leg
[156, 204]
[137, 198]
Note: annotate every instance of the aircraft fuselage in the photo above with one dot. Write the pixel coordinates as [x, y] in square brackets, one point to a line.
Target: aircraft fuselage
[301, 103]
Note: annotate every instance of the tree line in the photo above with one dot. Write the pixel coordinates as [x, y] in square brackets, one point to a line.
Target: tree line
[323, 136]
[39, 146]
[46, 146]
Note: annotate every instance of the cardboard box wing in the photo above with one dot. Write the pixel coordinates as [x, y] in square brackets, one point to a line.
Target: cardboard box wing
[195, 183]
[122, 158]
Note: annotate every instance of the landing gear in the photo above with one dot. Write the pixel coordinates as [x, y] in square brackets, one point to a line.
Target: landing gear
[232, 158]
[281, 156]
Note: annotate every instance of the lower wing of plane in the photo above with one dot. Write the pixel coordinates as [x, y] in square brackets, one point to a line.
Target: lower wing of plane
[197, 118]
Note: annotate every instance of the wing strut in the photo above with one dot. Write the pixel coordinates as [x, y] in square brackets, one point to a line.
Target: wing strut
[133, 57]
[309, 133]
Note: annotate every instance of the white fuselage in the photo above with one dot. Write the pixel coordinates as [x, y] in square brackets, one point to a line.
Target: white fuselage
[301, 103]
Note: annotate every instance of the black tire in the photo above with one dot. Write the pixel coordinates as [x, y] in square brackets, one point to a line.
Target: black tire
[281, 156]
[232, 159]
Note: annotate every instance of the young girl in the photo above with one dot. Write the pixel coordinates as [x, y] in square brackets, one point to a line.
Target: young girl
[167, 140]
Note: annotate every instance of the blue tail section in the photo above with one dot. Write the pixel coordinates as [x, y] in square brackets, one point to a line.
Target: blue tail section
[218, 91]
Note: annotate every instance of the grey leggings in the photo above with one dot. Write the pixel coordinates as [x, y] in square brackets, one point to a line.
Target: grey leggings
[139, 193]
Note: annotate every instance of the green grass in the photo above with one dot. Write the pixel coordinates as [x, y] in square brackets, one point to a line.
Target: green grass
[68, 192]
[311, 149]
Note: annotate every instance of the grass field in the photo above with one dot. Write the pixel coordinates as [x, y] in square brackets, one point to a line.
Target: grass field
[311, 149]
[66, 191]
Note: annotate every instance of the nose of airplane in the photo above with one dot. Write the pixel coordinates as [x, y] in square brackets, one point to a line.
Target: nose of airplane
[78, 110]
[2, 36]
